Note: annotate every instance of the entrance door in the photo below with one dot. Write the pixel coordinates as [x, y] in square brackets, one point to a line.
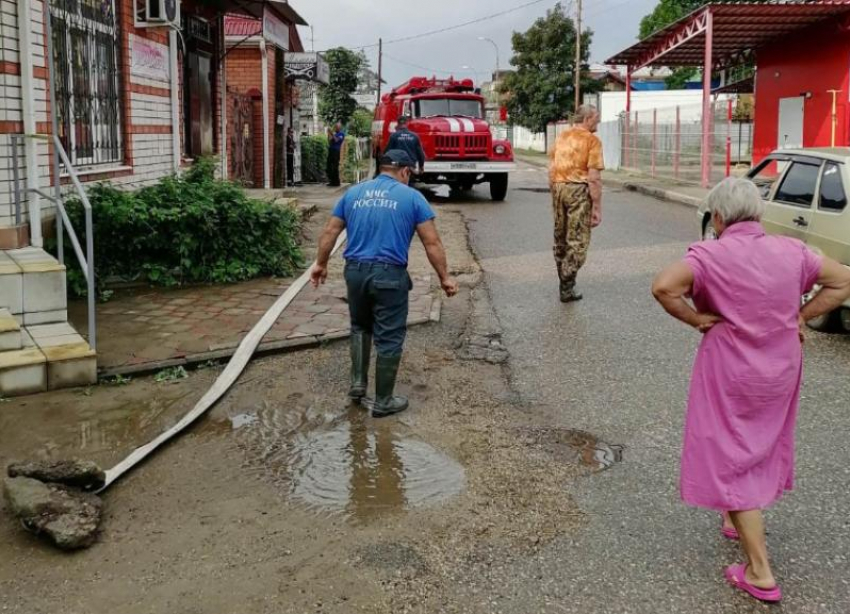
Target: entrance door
[790, 212]
[791, 122]
[200, 116]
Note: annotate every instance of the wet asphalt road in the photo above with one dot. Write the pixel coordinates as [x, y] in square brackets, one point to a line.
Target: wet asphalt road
[616, 366]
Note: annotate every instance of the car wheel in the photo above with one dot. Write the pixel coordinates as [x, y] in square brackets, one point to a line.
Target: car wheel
[499, 186]
[844, 317]
[828, 322]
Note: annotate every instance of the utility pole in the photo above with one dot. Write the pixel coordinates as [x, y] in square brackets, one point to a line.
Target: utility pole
[578, 57]
[835, 94]
[380, 67]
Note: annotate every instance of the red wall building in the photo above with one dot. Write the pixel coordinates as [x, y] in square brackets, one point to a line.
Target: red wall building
[793, 86]
[251, 49]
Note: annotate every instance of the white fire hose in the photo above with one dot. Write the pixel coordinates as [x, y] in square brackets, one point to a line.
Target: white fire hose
[224, 381]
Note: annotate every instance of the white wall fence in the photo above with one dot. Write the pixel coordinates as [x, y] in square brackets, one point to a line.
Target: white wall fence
[663, 142]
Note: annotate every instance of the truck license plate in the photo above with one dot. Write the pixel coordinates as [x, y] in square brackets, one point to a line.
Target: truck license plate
[463, 166]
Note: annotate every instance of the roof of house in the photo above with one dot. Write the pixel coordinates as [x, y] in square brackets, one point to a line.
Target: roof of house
[242, 26]
[738, 28]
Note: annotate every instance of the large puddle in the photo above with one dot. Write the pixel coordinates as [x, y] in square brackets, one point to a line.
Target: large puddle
[70, 424]
[350, 465]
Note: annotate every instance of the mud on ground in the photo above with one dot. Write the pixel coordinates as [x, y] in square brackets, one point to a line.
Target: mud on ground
[285, 499]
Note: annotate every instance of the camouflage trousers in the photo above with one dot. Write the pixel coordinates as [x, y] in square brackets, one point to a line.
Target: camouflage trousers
[573, 207]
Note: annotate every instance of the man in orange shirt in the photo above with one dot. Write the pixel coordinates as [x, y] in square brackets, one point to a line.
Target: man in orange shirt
[575, 179]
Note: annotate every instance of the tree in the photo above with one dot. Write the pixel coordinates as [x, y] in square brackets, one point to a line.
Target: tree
[335, 101]
[665, 13]
[541, 90]
[361, 122]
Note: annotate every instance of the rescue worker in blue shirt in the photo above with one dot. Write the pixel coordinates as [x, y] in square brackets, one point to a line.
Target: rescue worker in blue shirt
[408, 142]
[381, 217]
[336, 138]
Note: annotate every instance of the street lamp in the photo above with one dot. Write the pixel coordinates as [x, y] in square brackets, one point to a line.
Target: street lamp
[496, 47]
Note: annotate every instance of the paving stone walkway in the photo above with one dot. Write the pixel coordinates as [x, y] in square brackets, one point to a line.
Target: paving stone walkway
[142, 330]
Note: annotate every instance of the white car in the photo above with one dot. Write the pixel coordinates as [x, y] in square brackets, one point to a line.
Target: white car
[806, 191]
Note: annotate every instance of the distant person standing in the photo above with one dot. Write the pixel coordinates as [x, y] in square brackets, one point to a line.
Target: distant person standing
[381, 217]
[408, 141]
[575, 179]
[336, 138]
[290, 156]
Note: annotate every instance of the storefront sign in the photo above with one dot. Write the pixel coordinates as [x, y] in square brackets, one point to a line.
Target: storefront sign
[275, 31]
[148, 59]
[308, 67]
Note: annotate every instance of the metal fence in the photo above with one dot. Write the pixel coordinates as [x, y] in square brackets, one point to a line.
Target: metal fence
[668, 143]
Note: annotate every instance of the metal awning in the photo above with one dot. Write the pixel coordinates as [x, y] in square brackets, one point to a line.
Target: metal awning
[744, 86]
[738, 29]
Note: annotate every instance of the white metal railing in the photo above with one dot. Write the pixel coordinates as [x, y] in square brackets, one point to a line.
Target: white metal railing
[61, 162]
[63, 221]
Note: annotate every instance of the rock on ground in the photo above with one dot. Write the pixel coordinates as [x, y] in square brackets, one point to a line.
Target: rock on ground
[75, 473]
[70, 518]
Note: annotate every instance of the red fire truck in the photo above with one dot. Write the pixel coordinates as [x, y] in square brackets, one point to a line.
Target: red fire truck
[448, 116]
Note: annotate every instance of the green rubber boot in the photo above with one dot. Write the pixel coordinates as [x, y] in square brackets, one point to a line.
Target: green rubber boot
[386, 404]
[361, 351]
[568, 291]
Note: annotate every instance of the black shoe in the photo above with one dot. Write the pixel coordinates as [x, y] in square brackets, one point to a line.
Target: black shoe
[385, 403]
[569, 293]
[361, 350]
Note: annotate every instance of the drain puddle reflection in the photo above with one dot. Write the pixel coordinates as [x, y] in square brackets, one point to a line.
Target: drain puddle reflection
[351, 465]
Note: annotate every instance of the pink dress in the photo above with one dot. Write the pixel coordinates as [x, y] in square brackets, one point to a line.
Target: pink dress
[738, 453]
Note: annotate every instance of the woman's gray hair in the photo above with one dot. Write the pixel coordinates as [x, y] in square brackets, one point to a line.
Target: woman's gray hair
[736, 199]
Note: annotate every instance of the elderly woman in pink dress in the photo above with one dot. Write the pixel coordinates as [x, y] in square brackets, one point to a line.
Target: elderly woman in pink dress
[738, 455]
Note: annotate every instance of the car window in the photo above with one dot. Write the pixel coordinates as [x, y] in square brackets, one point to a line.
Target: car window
[832, 194]
[766, 175]
[798, 187]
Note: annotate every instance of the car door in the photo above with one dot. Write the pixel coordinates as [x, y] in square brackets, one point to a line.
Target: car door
[789, 211]
[830, 229]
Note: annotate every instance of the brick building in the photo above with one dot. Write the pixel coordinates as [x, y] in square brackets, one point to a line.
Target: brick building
[262, 99]
[139, 89]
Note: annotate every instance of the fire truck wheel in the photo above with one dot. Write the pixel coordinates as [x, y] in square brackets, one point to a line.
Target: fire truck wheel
[499, 187]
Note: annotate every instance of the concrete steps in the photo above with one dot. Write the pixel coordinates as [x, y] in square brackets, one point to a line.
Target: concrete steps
[39, 350]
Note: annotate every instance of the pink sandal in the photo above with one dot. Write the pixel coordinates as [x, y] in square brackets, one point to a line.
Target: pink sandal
[736, 575]
[728, 533]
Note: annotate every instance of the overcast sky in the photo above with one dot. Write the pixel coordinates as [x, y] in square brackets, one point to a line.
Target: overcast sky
[352, 23]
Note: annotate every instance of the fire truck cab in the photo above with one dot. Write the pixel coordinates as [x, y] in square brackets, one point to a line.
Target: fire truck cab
[448, 115]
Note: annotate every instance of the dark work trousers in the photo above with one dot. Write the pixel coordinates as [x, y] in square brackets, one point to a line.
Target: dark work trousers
[333, 167]
[378, 303]
[290, 168]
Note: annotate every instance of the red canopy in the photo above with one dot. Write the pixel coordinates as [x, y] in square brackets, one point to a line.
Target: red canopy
[737, 29]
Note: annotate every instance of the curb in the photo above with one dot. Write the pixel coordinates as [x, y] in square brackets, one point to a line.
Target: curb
[659, 193]
[268, 348]
[633, 186]
[532, 161]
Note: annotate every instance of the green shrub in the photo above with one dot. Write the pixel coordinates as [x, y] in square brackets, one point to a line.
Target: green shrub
[349, 160]
[187, 229]
[314, 159]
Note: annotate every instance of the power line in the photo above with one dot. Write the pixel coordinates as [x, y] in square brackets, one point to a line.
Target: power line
[456, 26]
[419, 66]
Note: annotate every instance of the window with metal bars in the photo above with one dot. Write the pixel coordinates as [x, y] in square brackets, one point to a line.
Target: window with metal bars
[88, 97]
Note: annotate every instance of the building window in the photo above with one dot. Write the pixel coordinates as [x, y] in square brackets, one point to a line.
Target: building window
[86, 56]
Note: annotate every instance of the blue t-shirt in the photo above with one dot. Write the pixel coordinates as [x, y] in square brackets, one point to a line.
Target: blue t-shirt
[337, 140]
[381, 217]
